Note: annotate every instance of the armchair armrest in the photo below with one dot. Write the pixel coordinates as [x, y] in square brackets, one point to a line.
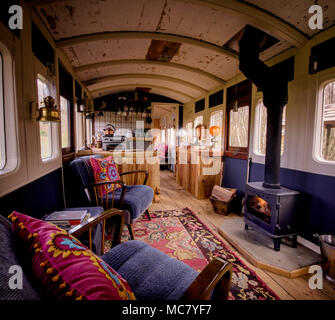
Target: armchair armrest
[114, 215]
[216, 276]
[137, 171]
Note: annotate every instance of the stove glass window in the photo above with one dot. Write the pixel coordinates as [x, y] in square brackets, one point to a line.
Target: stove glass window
[259, 208]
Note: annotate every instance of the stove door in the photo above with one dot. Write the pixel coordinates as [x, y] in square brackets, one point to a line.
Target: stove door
[259, 207]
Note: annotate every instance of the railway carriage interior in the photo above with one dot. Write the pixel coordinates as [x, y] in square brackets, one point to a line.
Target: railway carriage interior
[167, 150]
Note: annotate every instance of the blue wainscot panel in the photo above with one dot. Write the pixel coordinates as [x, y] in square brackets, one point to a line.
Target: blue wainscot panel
[37, 198]
[235, 173]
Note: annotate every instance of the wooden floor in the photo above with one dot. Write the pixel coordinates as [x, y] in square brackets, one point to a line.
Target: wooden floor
[173, 197]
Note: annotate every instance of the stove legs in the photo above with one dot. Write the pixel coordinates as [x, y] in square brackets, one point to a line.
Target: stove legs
[276, 243]
[295, 241]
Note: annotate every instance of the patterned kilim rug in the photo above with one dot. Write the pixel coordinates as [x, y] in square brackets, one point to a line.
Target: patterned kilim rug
[182, 235]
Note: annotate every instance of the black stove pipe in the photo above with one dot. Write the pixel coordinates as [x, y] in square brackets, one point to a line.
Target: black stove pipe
[275, 97]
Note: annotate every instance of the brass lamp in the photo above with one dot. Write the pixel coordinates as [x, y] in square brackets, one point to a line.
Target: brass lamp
[49, 112]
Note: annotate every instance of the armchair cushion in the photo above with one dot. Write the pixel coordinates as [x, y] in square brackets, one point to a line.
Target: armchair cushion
[104, 170]
[138, 198]
[62, 266]
[159, 277]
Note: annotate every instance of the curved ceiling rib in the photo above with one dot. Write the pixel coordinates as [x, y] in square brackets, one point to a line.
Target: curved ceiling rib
[145, 76]
[132, 85]
[253, 14]
[178, 66]
[259, 18]
[142, 35]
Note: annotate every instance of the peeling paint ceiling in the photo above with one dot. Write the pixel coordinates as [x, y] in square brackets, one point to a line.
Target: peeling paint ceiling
[114, 40]
[296, 12]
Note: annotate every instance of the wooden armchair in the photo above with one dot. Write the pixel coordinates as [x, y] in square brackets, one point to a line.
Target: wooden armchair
[136, 172]
[134, 200]
[211, 283]
[114, 216]
[215, 278]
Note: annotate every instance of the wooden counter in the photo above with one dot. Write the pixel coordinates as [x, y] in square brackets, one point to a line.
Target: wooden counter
[198, 171]
[134, 160]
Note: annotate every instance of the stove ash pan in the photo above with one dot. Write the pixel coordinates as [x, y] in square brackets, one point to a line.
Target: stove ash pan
[272, 211]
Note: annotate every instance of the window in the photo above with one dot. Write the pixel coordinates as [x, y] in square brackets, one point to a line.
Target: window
[238, 127]
[171, 138]
[237, 120]
[327, 150]
[89, 131]
[45, 127]
[2, 122]
[163, 136]
[216, 119]
[8, 113]
[198, 120]
[260, 129]
[80, 129]
[189, 132]
[65, 123]
[66, 92]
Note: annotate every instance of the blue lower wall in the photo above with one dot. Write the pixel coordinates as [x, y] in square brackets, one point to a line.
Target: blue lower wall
[235, 173]
[318, 192]
[37, 198]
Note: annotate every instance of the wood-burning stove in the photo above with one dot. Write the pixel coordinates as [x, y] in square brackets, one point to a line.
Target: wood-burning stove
[269, 208]
[271, 211]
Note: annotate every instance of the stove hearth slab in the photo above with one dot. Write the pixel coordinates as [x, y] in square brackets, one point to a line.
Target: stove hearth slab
[257, 248]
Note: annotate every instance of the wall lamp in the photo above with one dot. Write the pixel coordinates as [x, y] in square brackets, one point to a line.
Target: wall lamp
[47, 113]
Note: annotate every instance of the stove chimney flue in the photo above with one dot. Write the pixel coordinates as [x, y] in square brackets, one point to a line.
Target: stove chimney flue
[275, 97]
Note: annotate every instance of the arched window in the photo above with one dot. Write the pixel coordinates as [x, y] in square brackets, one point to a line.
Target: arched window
[216, 119]
[198, 120]
[326, 144]
[46, 140]
[2, 121]
[80, 128]
[189, 132]
[8, 120]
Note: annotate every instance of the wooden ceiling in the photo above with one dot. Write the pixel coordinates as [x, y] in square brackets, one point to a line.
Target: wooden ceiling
[176, 47]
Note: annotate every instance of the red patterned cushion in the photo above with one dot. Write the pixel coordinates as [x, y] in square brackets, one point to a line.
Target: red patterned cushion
[104, 170]
[63, 267]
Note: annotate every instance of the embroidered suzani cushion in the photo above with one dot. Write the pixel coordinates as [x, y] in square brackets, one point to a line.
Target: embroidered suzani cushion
[104, 170]
[62, 266]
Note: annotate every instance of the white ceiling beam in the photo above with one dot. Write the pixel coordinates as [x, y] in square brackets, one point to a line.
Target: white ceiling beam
[141, 76]
[259, 18]
[103, 36]
[131, 86]
[176, 66]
